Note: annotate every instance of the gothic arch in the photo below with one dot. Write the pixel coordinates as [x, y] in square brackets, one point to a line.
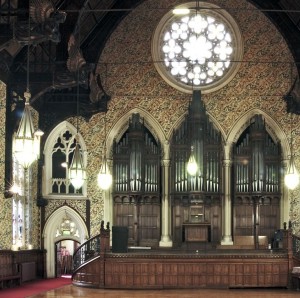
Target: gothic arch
[272, 127]
[213, 120]
[49, 234]
[150, 122]
[50, 142]
[277, 134]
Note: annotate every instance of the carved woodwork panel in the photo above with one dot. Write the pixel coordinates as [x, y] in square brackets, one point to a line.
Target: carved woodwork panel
[194, 272]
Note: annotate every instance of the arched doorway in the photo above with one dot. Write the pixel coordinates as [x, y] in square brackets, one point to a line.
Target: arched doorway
[64, 257]
[55, 232]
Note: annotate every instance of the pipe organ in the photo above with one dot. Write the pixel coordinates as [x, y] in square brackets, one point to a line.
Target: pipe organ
[136, 189]
[257, 158]
[204, 189]
[256, 183]
[197, 131]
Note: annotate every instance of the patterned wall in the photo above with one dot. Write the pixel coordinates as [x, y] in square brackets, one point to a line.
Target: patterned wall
[5, 204]
[262, 80]
[132, 81]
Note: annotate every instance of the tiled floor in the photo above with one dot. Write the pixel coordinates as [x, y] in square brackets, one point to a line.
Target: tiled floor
[74, 291]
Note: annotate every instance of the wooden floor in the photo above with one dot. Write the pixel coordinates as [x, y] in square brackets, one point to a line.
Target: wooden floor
[74, 291]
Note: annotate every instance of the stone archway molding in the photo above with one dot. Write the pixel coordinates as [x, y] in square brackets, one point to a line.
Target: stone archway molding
[49, 233]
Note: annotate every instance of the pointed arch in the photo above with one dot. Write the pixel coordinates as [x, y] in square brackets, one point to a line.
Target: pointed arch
[272, 127]
[212, 119]
[151, 123]
[278, 135]
[49, 234]
[48, 151]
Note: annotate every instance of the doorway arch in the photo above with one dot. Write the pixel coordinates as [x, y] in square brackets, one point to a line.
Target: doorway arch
[50, 236]
[64, 257]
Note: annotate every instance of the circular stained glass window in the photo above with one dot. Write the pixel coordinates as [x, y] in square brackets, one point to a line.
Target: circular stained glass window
[199, 50]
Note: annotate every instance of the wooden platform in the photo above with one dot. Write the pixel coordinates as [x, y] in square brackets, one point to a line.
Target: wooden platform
[185, 268]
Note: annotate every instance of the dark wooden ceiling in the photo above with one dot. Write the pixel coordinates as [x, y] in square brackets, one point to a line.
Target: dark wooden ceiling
[53, 70]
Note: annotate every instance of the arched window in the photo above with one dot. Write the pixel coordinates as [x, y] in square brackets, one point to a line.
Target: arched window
[21, 206]
[18, 212]
[59, 151]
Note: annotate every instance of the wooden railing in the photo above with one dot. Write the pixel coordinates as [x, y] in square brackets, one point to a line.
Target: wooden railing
[86, 251]
[92, 248]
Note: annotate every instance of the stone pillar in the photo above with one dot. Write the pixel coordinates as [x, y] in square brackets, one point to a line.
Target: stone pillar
[227, 237]
[108, 201]
[165, 206]
[286, 203]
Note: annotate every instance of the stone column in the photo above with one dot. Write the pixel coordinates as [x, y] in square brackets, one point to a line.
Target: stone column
[165, 206]
[108, 201]
[227, 237]
[286, 203]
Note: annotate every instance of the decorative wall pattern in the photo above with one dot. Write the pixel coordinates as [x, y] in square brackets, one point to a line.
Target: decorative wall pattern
[261, 82]
[5, 204]
[78, 205]
[130, 78]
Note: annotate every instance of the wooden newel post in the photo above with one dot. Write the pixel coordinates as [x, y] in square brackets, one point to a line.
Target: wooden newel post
[104, 238]
[104, 248]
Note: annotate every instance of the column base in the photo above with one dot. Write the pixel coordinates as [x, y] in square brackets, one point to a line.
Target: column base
[165, 242]
[227, 240]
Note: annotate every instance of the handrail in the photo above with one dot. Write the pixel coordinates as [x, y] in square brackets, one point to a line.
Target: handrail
[86, 251]
[92, 247]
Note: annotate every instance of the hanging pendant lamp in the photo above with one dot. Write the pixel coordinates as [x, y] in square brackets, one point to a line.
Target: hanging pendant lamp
[104, 176]
[291, 178]
[26, 147]
[27, 141]
[77, 172]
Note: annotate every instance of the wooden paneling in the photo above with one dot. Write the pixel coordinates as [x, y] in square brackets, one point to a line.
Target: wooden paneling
[89, 275]
[23, 265]
[141, 215]
[262, 214]
[34, 255]
[197, 232]
[181, 215]
[192, 272]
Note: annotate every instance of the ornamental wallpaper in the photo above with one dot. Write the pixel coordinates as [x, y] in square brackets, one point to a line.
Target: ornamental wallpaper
[130, 78]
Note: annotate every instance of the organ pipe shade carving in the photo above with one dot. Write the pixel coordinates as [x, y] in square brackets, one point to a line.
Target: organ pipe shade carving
[198, 132]
[137, 160]
[257, 160]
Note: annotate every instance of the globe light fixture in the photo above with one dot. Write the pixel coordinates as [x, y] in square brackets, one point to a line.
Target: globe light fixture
[192, 166]
[104, 176]
[291, 178]
[77, 172]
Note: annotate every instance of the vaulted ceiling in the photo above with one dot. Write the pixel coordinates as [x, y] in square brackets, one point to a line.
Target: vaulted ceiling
[65, 39]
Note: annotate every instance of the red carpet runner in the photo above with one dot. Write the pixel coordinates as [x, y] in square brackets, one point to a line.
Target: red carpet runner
[34, 287]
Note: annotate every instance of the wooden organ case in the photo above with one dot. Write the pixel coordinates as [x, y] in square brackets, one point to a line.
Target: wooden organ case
[196, 200]
[136, 189]
[256, 182]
